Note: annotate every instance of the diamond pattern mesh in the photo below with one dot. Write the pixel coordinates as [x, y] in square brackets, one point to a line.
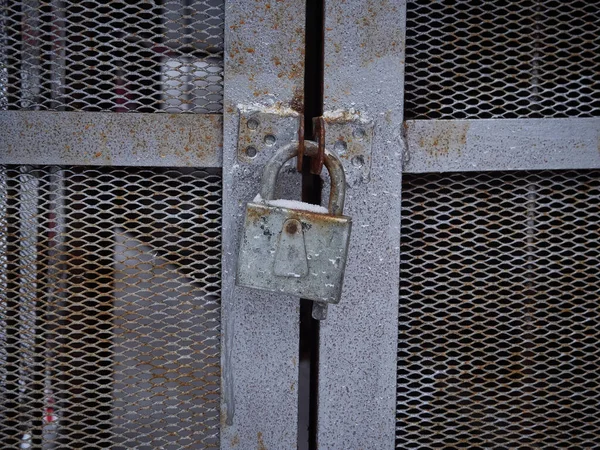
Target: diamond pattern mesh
[471, 59]
[500, 311]
[119, 56]
[109, 308]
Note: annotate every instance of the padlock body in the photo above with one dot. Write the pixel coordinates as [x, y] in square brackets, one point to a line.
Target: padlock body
[326, 239]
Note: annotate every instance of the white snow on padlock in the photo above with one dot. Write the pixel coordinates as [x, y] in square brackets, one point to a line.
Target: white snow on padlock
[293, 204]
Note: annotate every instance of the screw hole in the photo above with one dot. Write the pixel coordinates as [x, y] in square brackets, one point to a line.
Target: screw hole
[340, 147]
[358, 161]
[251, 152]
[252, 124]
[270, 139]
[359, 133]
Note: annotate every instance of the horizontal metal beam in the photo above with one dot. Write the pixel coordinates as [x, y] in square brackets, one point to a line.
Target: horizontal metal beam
[115, 139]
[501, 144]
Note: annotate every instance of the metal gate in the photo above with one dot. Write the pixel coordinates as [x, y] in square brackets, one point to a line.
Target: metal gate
[499, 279]
[110, 265]
[132, 134]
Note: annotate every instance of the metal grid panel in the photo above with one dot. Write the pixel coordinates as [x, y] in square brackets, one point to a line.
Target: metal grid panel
[502, 59]
[500, 311]
[119, 56]
[110, 308]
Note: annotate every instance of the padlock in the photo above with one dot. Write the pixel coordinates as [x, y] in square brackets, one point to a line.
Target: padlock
[292, 247]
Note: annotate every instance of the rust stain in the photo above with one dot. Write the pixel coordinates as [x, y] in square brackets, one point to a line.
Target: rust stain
[297, 102]
[288, 64]
[257, 213]
[376, 40]
[261, 443]
[444, 139]
[291, 227]
[235, 441]
[97, 154]
[223, 417]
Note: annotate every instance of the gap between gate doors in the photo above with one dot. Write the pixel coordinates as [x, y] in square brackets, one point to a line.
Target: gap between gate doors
[308, 368]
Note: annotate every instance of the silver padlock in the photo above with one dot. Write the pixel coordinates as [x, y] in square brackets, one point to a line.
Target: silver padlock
[292, 247]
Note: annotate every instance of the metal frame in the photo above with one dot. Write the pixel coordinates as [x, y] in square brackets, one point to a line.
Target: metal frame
[264, 68]
[116, 139]
[264, 65]
[501, 144]
[364, 69]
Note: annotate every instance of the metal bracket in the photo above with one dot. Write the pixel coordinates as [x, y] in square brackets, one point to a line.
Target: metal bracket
[347, 134]
[350, 135]
[263, 129]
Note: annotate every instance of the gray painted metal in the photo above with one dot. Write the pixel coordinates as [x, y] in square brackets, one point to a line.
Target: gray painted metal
[264, 65]
[351, 136]
[291, 248]
[501, 144]
[364, 61]
[257, 128]
[116, 139]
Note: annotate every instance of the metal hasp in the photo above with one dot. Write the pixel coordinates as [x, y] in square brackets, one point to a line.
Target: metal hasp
[292, 247]
[344, 132]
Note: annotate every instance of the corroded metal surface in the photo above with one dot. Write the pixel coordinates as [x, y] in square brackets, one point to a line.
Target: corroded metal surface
[364, 65]
[503, 144]
[109, 308]
[499, 311]
[264, 65]
[349, 134]
[117, 56]
[262, 130]
[482, 60]
[323, 239]
[100, 139]
[276, 237]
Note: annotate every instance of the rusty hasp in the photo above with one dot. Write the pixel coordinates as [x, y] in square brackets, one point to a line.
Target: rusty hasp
[316, 162]
[293, 247]
[346, 133]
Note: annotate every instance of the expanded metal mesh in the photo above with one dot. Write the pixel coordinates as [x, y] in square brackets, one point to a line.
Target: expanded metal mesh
[471, 59]
[499, 340]
[119, 56]
[109, 308]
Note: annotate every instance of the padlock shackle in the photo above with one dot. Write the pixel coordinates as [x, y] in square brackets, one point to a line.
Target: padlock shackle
[337, 192]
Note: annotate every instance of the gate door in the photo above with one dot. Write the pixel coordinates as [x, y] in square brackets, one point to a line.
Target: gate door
[118, 326]
[134, 132]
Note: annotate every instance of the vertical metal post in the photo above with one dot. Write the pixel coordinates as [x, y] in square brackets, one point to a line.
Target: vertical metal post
[364, 70]
[264, 65]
